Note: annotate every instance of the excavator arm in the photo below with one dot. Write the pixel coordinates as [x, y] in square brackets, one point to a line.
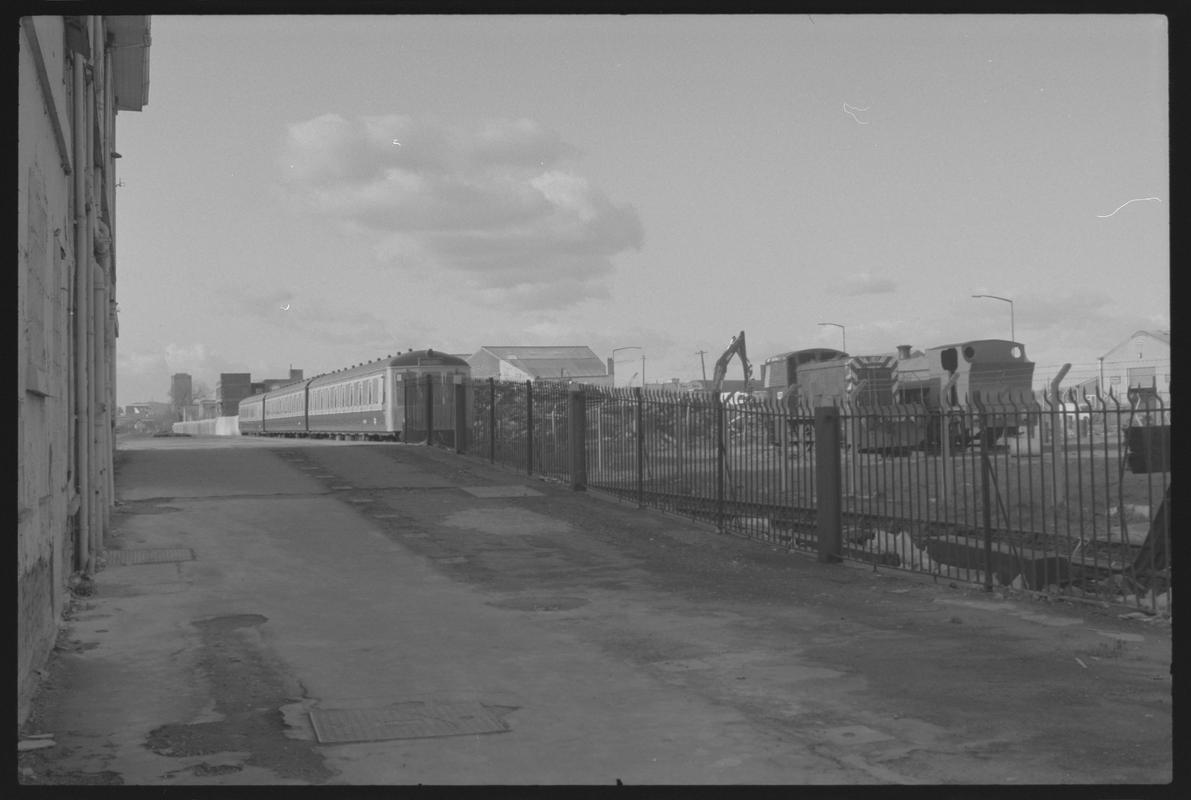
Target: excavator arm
[735, 348]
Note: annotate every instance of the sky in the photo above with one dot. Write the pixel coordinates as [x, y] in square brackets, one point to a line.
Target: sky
[318, 191]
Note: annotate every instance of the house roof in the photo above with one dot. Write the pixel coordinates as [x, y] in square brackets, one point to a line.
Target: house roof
[1161, 336]
[551, 362]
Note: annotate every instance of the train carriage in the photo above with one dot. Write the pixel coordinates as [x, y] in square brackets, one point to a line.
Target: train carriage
[285, 409]
[381, 399]
[252, 414]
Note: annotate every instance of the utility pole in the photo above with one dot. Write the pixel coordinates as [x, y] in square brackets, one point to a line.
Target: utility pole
[702, 364]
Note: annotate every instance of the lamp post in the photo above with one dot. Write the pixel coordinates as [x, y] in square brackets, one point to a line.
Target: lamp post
[1012, 330]
[615, 350]
[843, 333]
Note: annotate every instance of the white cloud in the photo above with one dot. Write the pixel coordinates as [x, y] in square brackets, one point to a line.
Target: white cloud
[492, 202]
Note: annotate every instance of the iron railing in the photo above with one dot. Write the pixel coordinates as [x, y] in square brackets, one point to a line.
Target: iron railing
[1063, 494]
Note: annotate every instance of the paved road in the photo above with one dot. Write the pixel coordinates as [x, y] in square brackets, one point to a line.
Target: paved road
[276, 612]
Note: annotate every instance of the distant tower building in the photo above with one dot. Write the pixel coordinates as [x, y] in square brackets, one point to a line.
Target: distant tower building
[180, 391]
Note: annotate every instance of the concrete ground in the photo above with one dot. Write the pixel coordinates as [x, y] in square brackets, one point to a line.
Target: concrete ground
[296, 612]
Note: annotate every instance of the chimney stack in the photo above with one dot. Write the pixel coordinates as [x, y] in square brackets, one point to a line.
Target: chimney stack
[903, 351]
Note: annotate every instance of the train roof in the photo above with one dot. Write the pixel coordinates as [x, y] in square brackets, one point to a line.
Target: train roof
[830, 351]
[978, 341]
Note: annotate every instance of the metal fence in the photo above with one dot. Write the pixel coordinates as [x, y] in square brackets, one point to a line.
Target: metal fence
[1060, 494]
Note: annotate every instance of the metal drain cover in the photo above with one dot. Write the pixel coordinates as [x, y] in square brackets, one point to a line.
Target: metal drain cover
[404, 721]
[501, 491]
[160, 555]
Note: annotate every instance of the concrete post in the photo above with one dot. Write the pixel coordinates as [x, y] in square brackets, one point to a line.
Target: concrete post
[577, 435]
[829, 489]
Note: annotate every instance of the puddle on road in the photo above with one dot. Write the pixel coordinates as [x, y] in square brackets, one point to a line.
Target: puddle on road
[505, 521]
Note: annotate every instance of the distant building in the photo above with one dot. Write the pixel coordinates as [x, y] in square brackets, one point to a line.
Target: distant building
[269, 384]
[1138, 366]
[231, 389]
[562, 363]
[180, 391]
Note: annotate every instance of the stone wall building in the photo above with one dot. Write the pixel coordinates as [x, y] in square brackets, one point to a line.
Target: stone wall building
[74, 74]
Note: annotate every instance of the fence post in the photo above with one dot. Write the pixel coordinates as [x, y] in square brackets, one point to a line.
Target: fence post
[460, 415]
[986, 499]
[640, 437]
[578, 437]
[429, 409]
[529, 427]
[492, 420]
[720, 456]
[830, 492]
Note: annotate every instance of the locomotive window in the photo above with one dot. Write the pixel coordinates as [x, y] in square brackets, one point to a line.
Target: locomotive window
[950, 359]
[1015, 351]
[969, 352]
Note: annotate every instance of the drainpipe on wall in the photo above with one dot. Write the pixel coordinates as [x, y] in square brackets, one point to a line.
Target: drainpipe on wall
[100, 383]
[82, 262]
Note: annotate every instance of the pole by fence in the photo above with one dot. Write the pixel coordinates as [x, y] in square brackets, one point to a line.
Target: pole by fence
[721, 453]
[492, 420]
[429, 409]
[577, 408]
[460, 415]
[986, 500]
[529, 427]
[640, 436]
[829, 489]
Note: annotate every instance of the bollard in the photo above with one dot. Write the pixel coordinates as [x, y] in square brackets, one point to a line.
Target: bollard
[829, 489]
[578, 437]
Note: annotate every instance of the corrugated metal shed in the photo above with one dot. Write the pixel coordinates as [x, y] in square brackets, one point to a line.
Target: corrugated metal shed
[546, 363]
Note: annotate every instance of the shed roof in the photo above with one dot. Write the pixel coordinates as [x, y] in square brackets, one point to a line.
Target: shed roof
[1161, 336]
[551, 362]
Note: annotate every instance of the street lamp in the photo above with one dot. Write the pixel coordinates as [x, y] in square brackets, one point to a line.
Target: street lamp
[1012, 330]
[615, 350]
[843, 333]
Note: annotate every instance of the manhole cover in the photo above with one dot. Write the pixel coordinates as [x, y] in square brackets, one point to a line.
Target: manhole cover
[162, 555]
[540, 603]
[501, 491]
[404, 721]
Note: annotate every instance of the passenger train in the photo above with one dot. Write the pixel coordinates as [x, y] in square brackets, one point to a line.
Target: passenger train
[899, 402]
[382, 400]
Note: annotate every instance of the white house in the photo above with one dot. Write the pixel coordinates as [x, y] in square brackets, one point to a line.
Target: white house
[563, 363]
[1140, 364]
